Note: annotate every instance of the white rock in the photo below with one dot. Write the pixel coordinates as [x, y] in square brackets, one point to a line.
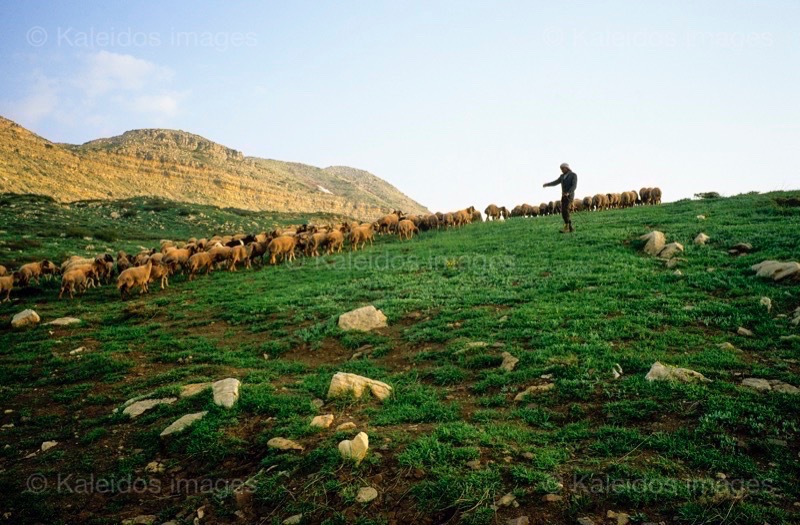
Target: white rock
[138, 408]
[363, 319]
[766, 302]
[744, 332]
[144, 519]
[323, 421]
[506, 500]
[756, 383]
[660, 372]
[701, 217]
[284, 444]
[366, 494]
[77, 350]
[655, 242]
[356, 448]
[346, 426]
[192, 389]
[47, 445]
[785, 388]
[616, 371]
[293, 520]
[670, 250]
[343, 382]
[183, 422]
[701, 239]
[64, 321]
[226, 392]
[509, 362]
[535, 389]
[154, 467]
[25, 318]
[776, 270]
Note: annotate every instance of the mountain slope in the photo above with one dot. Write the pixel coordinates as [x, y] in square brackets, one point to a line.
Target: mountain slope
[184, 167]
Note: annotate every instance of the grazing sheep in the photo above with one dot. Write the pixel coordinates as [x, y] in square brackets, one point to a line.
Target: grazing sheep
[123, 261]
[283, 247]
[239, 254]
[178, 257]
[76, 280]
[335, 241]
[476, 216]
[34, 271]
[7, 284]
[388, 223]
[315, 242]
[406, 229]
[160, 271]
[361, 235]
[257, 250]
[199, 261]
[492, 212]
[133, 277]
[655, 196]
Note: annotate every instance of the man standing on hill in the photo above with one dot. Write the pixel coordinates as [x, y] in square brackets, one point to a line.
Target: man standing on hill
[568, 181]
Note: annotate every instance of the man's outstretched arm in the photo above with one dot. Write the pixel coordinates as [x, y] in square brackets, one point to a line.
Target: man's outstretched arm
[555, 182]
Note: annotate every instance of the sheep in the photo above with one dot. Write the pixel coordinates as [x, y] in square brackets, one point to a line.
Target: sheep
[178, 257]
[142, 257]
[3, 271]
[282, 246]
[406, 229]
[257, 250]
[388, 223]
[199, 261]
[123, 261]
[239, 254]
[7, 284]
[34, 271]
[361, 235]
[132, 277]
[161, 272]
[76, 279]
[492, 212]
[335, 241]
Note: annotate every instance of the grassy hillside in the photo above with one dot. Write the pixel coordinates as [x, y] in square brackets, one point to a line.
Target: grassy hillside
[451, 441]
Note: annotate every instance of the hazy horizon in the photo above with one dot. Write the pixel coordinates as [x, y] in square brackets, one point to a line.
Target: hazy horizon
[454, 104]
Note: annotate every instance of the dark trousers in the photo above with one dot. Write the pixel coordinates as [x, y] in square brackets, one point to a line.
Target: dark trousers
[566, 202]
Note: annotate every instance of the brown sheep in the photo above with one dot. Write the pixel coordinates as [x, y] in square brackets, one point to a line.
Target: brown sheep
[3, 271]
[133, 277]
[123, 261]
[361, 235]
[335, 241]
[199, 261]
[282, 246]
[388, 223]
[406, 229]
[34, 271]
[239, 254]
[600, 202]
[257, 250]
[476, 216]
[492, 212]
[504, 212]
[7, 284]
[587, 203]
[76, 280]
[160, 272]
[655, 195]
[315, 242]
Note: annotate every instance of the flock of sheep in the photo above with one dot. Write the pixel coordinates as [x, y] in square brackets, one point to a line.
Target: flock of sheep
[601, 201]
[196, 256]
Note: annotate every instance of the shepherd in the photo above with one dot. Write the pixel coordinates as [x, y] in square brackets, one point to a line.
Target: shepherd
[568, 181]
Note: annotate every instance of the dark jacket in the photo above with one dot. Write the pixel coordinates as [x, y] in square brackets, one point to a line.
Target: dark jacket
[568, 181]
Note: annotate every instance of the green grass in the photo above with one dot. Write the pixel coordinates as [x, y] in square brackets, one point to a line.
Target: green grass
[569, 307]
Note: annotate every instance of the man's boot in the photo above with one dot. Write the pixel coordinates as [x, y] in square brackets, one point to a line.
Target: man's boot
[565, 229]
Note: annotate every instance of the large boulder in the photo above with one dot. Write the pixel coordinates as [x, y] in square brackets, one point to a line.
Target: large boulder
[356, 448]
[661, 372]
[777, 270]
[226, 392]
[655, 242]
[64, 321]
[24, 319]
[344, 382]
[138, 408]
[670, 250]
[363, 319]
[701, 239]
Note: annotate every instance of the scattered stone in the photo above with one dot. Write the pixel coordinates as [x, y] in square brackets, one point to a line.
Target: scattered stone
[741, 249]
[138, 408]
[284, 444]
[47, 445]
[701, 217]
[776, 270]
[522, 520]
[535, 389]
[64, 321]
[744, 332]
[660, 372]
[24, 319]
[77, 350]
[720, 476]
[621, 517]
[366, 494]
[115, 215]
[475, 464]
[506, 500]
[343, 382]
[324, 421]
[701, 239]
[585, 521]
[318, 403]
[766, 302]
[677, 273]
[193, 389]
[655, 242]
[182, 423]
[356, 448]
[226, 392]
[785, 388]
[293, 520]
[767, 385]
[154, 467]
[673, 262]
[670, 250]
[726, 346]
[552, 498]
[477, 344]
[509, 362]
[144, 519]
[346, 426]
[616, 371]
[363, 319]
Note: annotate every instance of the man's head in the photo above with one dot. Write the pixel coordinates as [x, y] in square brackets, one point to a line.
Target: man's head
[564, 167]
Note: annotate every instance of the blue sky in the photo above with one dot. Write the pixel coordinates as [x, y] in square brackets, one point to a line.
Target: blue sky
[456, 103]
